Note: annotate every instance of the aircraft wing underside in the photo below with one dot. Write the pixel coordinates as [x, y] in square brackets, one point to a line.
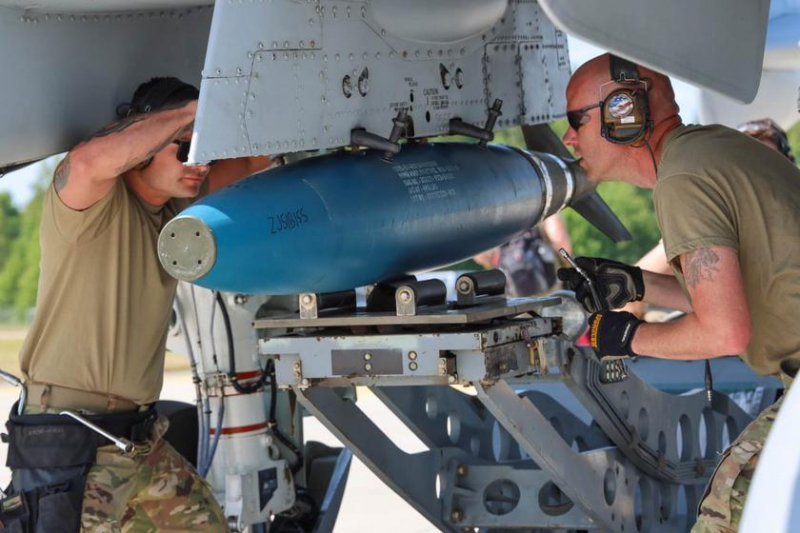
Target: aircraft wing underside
[283, 76]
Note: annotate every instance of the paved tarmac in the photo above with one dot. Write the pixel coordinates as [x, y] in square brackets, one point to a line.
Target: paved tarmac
[368, 504]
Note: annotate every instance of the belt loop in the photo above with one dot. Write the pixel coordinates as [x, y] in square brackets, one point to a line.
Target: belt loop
[112, 403]
[44, 397]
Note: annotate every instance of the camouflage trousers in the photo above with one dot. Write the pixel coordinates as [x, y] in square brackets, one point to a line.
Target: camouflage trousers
[154, 488]
[722, 504]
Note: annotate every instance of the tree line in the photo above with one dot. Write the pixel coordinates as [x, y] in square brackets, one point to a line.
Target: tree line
[19, 255]
[19, 249]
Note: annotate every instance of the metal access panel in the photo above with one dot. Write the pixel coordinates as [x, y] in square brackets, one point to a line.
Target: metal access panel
[300, 75]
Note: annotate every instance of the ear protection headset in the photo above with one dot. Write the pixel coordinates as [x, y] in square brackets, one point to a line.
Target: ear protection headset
[625, 112]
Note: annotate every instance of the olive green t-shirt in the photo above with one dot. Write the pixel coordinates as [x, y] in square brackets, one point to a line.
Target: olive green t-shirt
[104, 302]
[719, 187]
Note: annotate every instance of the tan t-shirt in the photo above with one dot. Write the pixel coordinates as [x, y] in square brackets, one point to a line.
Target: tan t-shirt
[719, 187]
[104, 302]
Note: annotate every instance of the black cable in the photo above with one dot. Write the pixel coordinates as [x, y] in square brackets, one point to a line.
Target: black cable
[273, 420]
[241, 389]
[652, 155]
[206, 465]
[269, 372]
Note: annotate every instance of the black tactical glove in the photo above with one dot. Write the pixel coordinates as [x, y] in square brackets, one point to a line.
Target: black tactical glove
[611, 333]
[616, 283]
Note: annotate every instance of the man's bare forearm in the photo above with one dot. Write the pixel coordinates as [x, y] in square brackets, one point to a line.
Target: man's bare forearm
[664, 290]
[686, 338]
[122, 145]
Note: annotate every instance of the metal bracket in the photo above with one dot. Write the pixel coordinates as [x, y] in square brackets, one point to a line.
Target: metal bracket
[412, 476]
[307, 302]
[644, 422]
[603, 484]
[311, 304]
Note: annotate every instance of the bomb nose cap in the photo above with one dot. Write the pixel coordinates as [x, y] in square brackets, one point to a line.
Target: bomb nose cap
[187, 248]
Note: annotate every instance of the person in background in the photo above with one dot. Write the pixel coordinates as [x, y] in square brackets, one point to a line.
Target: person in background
[530, 260]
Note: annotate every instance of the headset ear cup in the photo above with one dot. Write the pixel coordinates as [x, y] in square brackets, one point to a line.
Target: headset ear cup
[605, 120]
[643, 109]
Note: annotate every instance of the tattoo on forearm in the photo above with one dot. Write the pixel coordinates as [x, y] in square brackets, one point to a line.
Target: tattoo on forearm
[127, 122]
[701, 265]
[117, 127]
[61, 174]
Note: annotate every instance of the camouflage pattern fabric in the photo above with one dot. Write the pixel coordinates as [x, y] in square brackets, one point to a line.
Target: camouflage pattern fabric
[154, 488]
[151, 489]
[722, 504]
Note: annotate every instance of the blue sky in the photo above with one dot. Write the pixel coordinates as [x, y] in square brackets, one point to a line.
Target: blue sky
[20, 183]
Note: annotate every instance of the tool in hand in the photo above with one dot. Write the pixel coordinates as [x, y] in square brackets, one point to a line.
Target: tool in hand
[709, 382]
[613, 370]
[598, 302]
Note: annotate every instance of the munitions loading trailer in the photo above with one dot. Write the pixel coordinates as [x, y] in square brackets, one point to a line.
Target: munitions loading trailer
[489, 384]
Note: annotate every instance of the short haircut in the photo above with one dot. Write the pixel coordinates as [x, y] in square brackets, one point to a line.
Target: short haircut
[159, 93]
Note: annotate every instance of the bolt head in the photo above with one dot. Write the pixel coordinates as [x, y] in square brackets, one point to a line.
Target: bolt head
[307, 299]
[368, 367]
[367, 356]
[412, 355]
[412, 366]
[405, 296]
[304, 382]
[462, 470]
[456, 515]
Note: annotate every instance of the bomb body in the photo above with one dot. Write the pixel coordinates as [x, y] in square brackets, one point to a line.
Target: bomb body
[344, 220]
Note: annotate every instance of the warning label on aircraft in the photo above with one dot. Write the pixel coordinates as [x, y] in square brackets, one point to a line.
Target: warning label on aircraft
[427, 180]
[436, 100]
[561, 50]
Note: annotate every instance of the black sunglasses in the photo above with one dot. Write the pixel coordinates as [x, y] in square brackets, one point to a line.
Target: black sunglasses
[577, 117]
[183, 151]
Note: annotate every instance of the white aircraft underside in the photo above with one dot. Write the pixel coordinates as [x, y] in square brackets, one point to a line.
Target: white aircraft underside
[271, 81]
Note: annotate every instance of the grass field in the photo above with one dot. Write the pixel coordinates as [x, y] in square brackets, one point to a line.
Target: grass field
[11, 342]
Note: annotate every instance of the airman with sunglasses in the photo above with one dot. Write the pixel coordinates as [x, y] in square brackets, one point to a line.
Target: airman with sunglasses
[726, 205]
[97, 341]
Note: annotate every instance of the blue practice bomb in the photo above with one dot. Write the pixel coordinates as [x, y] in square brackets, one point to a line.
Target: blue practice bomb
[349, 219]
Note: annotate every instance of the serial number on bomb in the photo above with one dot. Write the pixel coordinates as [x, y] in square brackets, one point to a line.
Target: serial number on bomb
[287, 221]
